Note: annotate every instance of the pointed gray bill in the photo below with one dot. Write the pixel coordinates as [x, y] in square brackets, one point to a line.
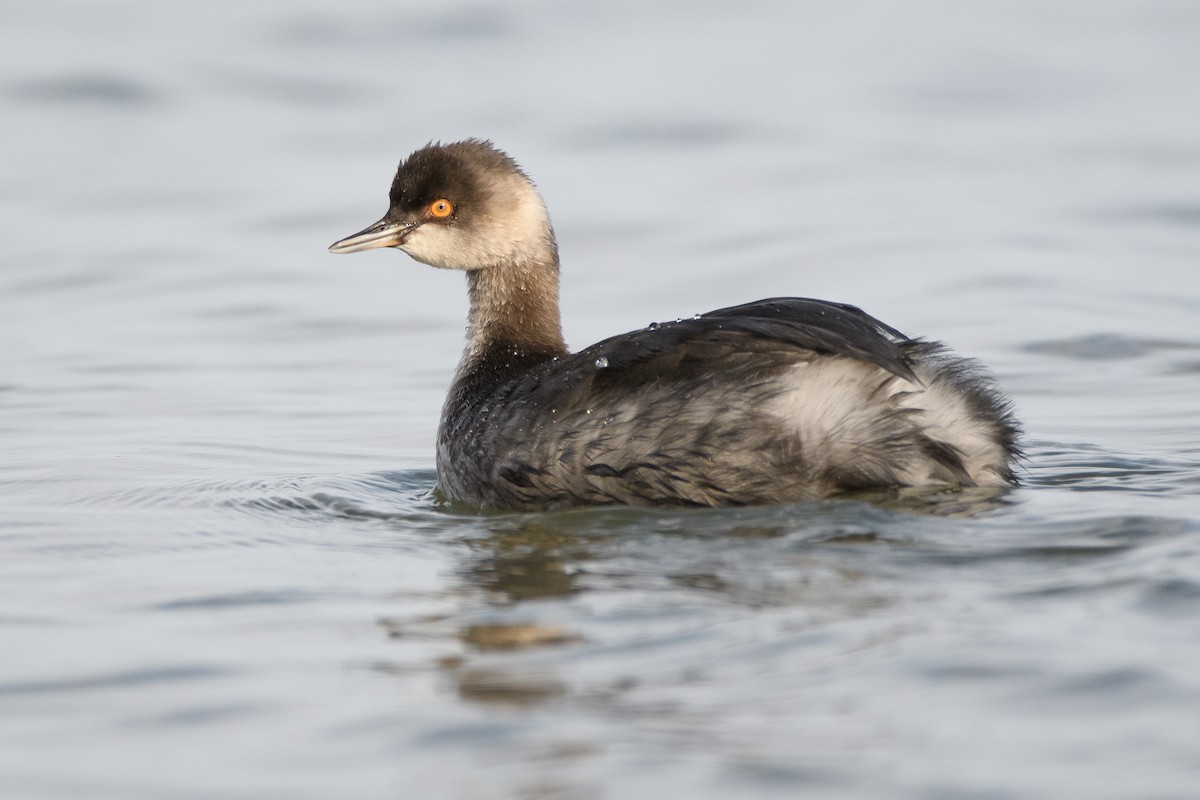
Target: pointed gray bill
[384, 233]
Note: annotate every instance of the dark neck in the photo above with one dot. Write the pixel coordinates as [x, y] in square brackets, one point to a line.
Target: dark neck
[514, 316]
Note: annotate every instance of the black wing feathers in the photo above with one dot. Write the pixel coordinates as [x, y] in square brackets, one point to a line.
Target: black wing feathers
[816, 325]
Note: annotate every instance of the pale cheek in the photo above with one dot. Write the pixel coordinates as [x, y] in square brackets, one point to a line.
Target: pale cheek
[437, 247]
[460, 248]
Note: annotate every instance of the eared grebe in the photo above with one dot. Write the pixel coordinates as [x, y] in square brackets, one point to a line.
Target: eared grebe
[767, 402]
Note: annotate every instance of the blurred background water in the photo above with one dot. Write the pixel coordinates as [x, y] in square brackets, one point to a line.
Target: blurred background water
[222, 574]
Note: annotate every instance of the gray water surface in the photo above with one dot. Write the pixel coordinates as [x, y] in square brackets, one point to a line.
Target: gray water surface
[222, 572]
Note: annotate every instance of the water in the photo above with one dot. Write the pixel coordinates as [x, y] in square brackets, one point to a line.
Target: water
[222, 574]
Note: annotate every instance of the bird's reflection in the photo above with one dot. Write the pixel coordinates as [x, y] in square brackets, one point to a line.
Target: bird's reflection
[520, 573]
[528, 561]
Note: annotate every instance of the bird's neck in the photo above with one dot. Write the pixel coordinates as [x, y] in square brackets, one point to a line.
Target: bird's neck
[514, 317]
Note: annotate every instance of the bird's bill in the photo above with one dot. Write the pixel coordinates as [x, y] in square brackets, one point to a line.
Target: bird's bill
[384, 233]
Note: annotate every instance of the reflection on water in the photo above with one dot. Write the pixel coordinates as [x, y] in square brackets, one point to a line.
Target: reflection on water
[506, 687]
[531, 561]
[815, 566]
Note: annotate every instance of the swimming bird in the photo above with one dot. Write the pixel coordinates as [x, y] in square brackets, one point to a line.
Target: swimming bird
[772, 401]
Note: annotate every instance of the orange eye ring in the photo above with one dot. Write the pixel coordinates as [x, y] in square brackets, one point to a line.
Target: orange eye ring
[441, 208]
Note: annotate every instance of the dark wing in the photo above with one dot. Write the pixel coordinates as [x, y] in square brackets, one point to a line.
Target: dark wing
[777, 323]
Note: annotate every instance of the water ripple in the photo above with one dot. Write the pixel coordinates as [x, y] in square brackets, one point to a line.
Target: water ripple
[89, 88]
[115, 680]
[378, 495]
[1089, 468]
[1106, 346]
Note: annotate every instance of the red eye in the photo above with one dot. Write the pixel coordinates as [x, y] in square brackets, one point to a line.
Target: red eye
[441, 208]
